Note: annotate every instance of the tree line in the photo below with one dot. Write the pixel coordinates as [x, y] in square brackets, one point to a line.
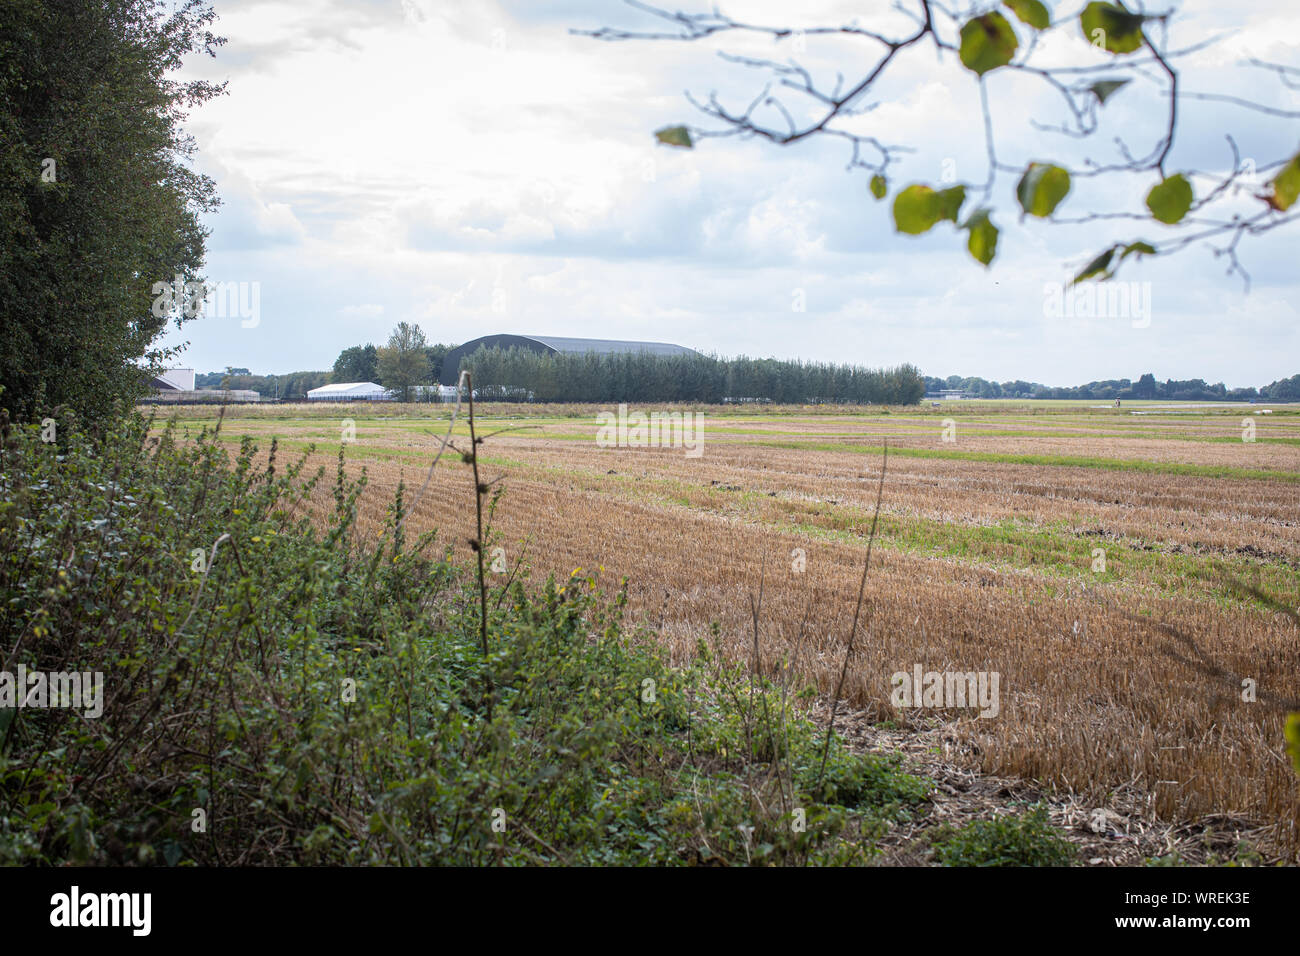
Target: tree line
[1146, 387]
[522, 375]
[515, 374]
[406, 361]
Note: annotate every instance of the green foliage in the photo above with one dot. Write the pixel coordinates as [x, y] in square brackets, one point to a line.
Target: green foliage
[987, 42]
[1111, 28]
[916, 210]
[1025, 840]
[990, 40]
[1283, 390]
[1031, 12]
[98, 200]
[1292, 733]
[404, 361]
[1105, 89]
[1196, 389]
[1100, 266]
[982, 240]
[360, 363]
[324, 700]
[950, 202]
[1097, 267]
[1169, 200]
[865, 781]
[292, 386]
[523, 375]
[918, 207]
[435, 354]
[1041, 189]
[675, 136]
[1286, 185]
[1173, 859]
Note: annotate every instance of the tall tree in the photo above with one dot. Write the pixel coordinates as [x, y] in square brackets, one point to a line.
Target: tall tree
[360, 363]
[97, 200]
[404, 361]
[436, 353]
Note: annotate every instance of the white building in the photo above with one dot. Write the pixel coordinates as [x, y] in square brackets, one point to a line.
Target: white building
[433, 393]
[174, 380]
[349, 392]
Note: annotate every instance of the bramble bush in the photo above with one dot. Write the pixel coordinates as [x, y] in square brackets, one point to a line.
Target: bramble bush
[278, 690]
[1017, 840]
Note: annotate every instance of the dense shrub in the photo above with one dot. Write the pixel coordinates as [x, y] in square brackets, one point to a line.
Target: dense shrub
[229, 733]
[1023, 840]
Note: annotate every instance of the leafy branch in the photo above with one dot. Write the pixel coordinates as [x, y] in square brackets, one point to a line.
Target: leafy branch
[793, 107]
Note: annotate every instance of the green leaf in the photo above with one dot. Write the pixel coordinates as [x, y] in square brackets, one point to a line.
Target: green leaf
[1170, 200]
[1140, 248]
[916, 209]
[1292, 733]
[949, 202]
[1104, 89]
[1286, 186]
[1031, 12]
[675, 136]
[879, 187]
[1097, 266]
[1042, 188]
[1112, 28]
[983, 239]
[987, 43]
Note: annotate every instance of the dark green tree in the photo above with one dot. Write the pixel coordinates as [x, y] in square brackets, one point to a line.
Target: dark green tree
[97, 200]
[360, 363]
[523, 375]
[436, 354]
[1283, 390]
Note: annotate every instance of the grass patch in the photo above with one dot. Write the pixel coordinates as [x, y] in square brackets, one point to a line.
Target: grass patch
[1020, 840]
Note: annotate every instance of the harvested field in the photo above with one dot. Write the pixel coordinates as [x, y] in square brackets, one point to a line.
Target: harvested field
[1132, 679]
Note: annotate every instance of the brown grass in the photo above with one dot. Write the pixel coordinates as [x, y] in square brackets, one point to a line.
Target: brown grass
[1110, 683]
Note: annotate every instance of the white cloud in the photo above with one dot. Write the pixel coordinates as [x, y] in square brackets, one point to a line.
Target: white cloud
[368, 311]
[476, 168]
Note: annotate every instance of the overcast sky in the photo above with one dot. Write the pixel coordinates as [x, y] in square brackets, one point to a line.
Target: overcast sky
[472, 166]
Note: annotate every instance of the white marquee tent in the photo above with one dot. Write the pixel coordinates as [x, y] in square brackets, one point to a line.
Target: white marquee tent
[349, 392]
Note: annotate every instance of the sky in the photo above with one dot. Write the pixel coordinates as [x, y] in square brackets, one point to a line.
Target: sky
[476, 167]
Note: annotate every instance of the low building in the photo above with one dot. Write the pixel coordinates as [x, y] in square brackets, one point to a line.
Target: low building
[175, 386]
[433, 393]
[349, 392]
[205, 396]
[173, 380]
[946, 394]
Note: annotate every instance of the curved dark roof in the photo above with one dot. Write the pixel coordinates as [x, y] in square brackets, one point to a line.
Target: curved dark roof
[552, 343]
